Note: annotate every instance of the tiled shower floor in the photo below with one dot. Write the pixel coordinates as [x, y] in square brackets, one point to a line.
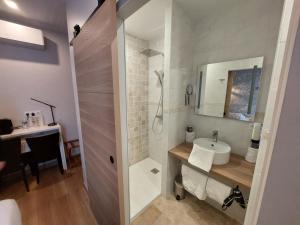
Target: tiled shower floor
[144, 185]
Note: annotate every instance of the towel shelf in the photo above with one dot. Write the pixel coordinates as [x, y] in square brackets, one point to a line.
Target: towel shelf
[237, 171]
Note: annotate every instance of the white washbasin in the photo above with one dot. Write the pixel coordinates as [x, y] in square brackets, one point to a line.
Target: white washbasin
[222, 149]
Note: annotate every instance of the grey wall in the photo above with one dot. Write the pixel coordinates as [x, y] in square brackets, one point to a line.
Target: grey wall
[281, 200]
[78, 12]
[41, 74]
[247, 29]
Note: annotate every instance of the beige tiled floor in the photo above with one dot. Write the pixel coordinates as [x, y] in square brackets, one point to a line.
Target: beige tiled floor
[189, 211]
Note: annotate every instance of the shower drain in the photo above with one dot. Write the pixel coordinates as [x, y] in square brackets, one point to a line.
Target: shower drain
[154, 171]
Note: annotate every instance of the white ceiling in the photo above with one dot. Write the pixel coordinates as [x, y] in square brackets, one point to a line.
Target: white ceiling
[49, 14]
[148, 22]
[199, 9]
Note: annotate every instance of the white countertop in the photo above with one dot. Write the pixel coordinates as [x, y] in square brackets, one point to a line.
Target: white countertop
[19, 132]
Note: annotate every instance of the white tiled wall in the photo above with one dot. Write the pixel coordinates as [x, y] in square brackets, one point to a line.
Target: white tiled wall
[178, 68]
[181, 66]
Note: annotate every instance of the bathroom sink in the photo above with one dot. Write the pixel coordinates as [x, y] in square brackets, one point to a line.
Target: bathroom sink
[222, 149]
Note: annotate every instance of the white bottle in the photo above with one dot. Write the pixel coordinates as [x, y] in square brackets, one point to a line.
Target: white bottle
[33, 119]
[189, 135]
[39, 118]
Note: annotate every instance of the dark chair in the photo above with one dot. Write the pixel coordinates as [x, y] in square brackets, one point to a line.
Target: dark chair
[43, 149]
[10, 153]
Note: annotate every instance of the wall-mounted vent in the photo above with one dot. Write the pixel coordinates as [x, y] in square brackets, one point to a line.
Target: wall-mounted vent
[17, 34]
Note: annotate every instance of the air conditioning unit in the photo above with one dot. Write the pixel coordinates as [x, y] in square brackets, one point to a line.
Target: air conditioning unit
[17, 34]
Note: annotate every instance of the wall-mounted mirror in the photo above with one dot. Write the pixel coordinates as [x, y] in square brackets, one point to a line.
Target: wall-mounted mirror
[229, 89]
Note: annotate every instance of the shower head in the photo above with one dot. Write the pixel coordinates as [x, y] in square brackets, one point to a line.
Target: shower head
[151, 52]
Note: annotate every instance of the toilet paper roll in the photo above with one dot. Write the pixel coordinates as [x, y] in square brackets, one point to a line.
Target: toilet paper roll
[189, 136]
[256, 132]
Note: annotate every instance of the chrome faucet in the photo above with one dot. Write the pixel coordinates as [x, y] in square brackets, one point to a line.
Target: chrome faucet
[215, 135]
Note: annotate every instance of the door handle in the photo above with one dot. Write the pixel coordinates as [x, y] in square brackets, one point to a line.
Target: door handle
[111, 159]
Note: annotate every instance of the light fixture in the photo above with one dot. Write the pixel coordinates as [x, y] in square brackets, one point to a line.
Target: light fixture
[51, 108]
[11, 4]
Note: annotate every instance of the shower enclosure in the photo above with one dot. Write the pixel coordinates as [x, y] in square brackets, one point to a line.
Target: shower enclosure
[145, 119]
[145, 79]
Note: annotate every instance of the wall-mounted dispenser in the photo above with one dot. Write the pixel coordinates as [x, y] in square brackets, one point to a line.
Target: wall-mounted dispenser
[188, 94]
[252, 152]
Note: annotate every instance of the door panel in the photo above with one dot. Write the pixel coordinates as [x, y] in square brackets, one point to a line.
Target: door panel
[89, 68]
[95, 73]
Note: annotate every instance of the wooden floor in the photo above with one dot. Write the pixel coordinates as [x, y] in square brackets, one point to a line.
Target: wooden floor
[57, 200]
[189, 211]
[62, 200]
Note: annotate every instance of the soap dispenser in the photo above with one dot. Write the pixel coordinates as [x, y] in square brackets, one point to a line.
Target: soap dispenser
[252, 152]
[189, 135]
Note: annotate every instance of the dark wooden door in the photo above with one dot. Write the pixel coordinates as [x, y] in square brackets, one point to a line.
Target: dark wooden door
[96, 71]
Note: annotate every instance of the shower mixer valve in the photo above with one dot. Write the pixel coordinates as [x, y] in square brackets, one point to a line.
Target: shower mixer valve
[158, 118]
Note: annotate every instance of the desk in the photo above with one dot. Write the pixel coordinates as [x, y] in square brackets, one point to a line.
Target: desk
[32, 131]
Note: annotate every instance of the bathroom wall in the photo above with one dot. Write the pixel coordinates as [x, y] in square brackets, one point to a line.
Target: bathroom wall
[155, 134]
[143, 94]
[247, 29]
[137, 98]
[178, 73]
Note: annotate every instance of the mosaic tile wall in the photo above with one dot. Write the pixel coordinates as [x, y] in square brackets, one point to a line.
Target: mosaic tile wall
[137, 99]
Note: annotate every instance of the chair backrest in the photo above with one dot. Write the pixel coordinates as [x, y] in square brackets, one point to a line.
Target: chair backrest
[10, 152]
[44, 148]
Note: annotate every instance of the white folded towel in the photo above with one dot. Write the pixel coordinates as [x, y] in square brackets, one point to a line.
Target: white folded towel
[217, 190]
[10, 213]
[194, 182]
[201, 158]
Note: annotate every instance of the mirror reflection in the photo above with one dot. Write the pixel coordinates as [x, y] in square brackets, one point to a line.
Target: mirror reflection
[229, 89]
